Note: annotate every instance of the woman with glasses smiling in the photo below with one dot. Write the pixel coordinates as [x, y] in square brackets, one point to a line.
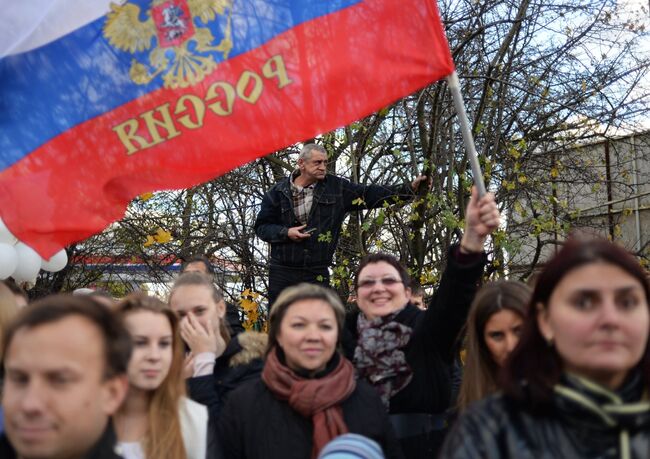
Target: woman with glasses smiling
[405, 352]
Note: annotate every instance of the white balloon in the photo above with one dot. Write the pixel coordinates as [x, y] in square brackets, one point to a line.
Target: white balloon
[56, 263]
[8, 260]
[5, 235]
[29, 263]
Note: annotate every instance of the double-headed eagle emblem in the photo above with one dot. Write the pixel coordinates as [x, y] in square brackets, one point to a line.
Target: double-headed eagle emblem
[183, 44]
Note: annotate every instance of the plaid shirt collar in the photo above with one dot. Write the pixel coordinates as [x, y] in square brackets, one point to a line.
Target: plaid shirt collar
[298, 188]
[302, 198]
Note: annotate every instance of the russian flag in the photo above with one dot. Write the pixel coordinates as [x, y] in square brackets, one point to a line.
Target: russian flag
[101, 102]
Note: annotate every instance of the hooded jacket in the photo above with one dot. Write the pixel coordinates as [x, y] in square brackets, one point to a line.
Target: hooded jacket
[242, 360]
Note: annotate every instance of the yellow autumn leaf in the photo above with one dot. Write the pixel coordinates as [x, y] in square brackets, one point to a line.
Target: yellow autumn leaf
[554, 172]
[146, 196]
[248, 293]
[248, 305]
[150, 240]
[162, 236]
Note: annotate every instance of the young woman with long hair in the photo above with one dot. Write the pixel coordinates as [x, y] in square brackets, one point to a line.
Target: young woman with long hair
[215, 362]
[308, 393]
[577, 384]
[156, 420]
[493, 328]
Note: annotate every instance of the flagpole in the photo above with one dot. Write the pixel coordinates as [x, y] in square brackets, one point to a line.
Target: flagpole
[468, 139]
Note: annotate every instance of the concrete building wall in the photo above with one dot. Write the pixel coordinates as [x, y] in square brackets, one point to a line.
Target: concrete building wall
[611, 196]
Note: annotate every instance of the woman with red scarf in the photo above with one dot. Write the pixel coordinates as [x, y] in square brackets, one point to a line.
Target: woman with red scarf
[308, 393]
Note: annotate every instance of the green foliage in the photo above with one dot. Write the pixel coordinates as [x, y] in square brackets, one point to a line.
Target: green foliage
[325, 237]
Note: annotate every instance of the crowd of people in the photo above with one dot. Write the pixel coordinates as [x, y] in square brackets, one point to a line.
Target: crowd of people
[499, 370]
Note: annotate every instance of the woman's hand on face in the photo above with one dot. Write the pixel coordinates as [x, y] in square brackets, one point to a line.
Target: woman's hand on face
[199, 337]
[482, 217]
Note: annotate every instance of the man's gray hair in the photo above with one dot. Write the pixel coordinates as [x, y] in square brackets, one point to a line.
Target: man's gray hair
[305, 153]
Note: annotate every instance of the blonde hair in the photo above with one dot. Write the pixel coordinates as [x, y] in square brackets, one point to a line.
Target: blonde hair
[304, 291]
[164, 438]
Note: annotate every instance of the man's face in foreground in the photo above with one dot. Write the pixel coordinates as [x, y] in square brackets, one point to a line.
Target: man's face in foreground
[56, 399]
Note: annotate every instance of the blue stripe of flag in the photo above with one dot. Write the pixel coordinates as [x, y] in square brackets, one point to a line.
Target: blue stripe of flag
[49, 90]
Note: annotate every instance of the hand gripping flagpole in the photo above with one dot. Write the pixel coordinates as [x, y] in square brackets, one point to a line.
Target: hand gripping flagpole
[468, 139]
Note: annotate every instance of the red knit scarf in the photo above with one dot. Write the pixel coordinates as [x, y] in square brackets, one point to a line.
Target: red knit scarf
[318, 399]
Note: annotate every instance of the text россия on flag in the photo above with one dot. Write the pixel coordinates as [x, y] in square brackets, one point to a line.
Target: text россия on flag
[164, 94]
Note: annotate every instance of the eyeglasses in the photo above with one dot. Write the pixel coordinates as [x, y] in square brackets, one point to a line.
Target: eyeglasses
[386, 282]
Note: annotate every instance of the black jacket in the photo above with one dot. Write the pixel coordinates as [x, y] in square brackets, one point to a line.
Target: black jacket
[103, 449]
[255, 424]
[241, 361]
[334, 197]
[232, 317]
[429, 353]
[566, 427]
[430, 350]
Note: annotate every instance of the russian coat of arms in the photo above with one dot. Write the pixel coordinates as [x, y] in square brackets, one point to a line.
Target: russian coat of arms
[178, 30]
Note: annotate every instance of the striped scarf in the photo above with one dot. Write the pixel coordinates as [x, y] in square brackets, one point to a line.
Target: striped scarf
[598, 409]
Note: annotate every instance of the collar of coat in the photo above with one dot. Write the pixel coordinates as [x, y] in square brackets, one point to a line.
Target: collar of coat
[597, 408]
[244, 348]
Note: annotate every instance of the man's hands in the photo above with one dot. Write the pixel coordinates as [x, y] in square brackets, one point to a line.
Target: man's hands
[481, 219]
[295, 233]
[201, 338]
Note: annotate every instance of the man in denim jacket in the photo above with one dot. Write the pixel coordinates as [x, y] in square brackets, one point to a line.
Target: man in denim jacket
[301, 218]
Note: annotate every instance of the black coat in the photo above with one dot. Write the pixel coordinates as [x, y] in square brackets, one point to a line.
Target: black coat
[232, 317]
[500, 427]
[430, 351]
[256, 425]
[103, 449]
[235, 366]
[333, 198]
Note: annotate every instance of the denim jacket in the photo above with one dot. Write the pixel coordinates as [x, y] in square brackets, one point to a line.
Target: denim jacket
[334, 197]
